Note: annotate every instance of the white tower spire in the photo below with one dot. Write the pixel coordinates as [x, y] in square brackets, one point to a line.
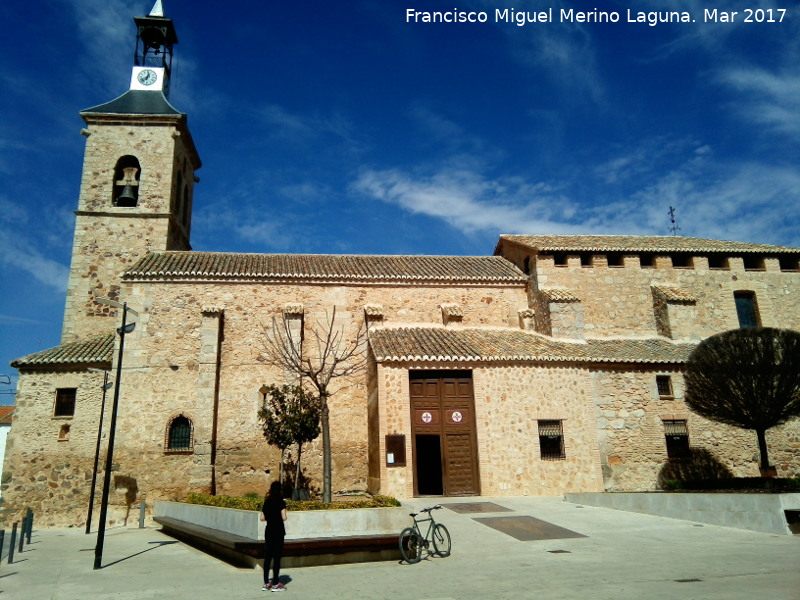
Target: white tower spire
[158, 10]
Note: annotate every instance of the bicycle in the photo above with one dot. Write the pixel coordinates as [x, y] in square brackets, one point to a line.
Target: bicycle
[413, 543]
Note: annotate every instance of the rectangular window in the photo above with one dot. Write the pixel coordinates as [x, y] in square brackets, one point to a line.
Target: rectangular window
[677, 436]
[65, 402]
[664, 383]
[551, 440]
[746, 309]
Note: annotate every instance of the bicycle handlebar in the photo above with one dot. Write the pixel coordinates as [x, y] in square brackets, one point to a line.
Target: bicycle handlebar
[426, 510]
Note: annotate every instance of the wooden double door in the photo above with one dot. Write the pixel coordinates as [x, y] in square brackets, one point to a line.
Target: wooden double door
[443, 431]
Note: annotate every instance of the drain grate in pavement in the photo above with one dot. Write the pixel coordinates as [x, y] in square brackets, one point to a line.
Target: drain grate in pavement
[476, 507]
[527, 528]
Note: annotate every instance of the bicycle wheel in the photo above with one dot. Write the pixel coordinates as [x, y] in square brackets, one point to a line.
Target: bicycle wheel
[410, 546]
[441, 540]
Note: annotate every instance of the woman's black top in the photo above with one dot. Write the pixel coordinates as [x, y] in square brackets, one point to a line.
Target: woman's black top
[272, 509]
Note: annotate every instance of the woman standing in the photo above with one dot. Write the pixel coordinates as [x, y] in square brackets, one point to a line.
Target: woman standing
[274, 513]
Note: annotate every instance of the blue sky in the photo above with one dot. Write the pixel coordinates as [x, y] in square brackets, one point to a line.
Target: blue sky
[339, 127]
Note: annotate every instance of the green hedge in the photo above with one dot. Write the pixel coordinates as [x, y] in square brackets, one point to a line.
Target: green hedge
[254, 502]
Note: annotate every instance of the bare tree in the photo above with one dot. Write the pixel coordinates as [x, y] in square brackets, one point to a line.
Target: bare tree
[748, 378]
[330, 355]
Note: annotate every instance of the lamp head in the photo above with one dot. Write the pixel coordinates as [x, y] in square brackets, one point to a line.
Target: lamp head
[129, 327]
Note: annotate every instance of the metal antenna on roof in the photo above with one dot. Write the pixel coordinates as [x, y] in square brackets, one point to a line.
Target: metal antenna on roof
[674, 228]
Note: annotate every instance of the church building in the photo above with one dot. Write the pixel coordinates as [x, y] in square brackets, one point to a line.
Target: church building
[552, 364]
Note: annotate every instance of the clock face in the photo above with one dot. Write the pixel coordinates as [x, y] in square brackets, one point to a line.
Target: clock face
[147, 77]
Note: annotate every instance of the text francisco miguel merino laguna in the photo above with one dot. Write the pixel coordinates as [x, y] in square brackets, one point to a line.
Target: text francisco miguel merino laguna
[564, 15]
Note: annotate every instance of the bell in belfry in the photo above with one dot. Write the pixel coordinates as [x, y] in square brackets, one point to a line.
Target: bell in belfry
[129, 195]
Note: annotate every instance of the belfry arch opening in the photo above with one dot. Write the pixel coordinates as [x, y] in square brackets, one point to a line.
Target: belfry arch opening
[126, 182]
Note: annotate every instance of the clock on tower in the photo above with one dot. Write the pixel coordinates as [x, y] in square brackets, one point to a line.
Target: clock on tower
[155, 37]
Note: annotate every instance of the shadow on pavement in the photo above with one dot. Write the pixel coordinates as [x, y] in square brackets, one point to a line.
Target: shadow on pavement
[153, 547]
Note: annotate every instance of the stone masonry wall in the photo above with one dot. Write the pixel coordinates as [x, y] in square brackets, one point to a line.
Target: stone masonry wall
[109, 239]
[44, 470]
[633, 449]
[509, 401]
[170, 369]
[618, 301]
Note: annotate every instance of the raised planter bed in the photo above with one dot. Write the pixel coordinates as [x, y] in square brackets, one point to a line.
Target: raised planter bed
[321, 537]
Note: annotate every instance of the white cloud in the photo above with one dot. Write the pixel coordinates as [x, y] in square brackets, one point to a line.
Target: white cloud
[17, 252]
[770, 99]
[14, 320]
[104, 28]
[565, 51]
[301, 127]
[746, 201]
[470, 202]
[647, 158]
[629, 194]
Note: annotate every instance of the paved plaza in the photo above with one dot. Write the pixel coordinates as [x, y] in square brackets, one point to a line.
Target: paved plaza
[503, 548]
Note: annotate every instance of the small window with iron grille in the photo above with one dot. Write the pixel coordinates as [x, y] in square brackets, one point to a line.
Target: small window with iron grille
[551, 440]
[664, 384]
[677, 436]
[179, 435]
[65, 402]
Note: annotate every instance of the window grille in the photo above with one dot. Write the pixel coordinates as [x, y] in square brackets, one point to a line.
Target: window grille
[551, 440]
[677, 436]
[664, 383]
[65, 402]
[180, 435]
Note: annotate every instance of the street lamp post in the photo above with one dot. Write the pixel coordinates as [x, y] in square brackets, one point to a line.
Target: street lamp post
[125, 328]
[106, 385]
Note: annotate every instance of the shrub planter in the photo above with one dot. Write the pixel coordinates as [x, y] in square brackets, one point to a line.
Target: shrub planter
[318, 536]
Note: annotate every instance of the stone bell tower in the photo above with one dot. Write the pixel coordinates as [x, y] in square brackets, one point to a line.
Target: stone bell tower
[137, 184]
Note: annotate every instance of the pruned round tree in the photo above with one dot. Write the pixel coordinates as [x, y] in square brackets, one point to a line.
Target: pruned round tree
[748, 378]
[289, 416]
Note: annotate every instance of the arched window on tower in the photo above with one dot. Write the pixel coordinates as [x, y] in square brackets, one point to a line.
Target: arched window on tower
[179, 435]
[126, 182]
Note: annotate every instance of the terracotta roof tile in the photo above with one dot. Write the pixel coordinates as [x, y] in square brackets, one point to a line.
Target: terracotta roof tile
[640, 243]
[432, 344]
[212, 266]
[97, 350]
